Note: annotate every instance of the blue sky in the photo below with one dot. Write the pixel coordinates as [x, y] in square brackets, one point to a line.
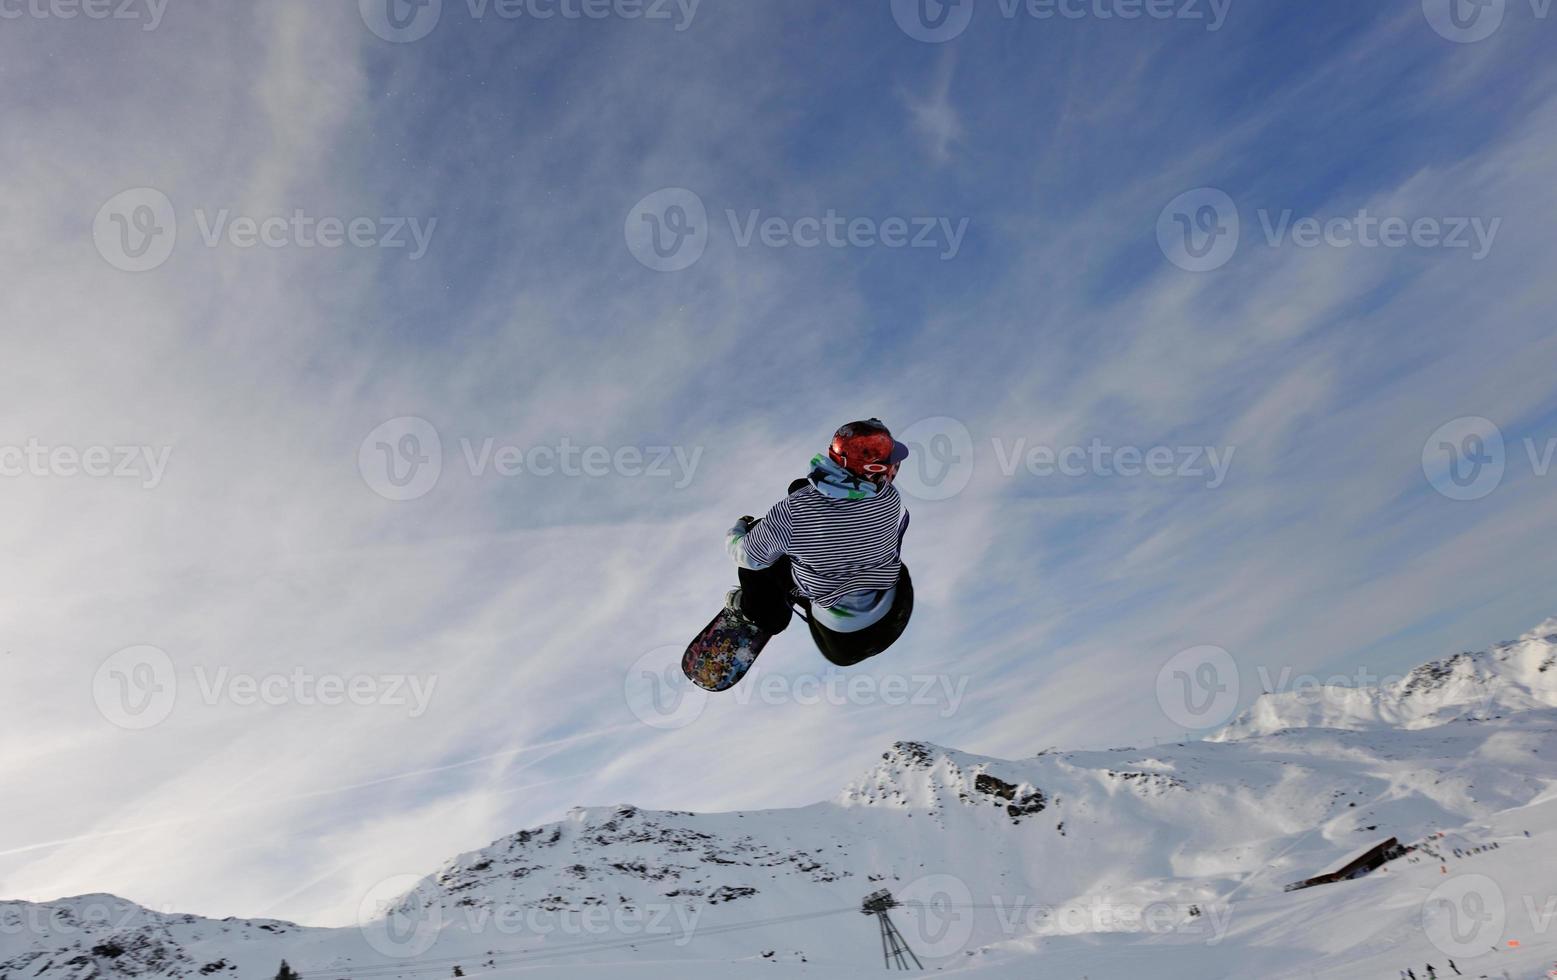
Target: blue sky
[1049, 606]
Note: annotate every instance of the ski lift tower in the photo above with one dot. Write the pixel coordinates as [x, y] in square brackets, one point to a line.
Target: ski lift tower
[893, 946]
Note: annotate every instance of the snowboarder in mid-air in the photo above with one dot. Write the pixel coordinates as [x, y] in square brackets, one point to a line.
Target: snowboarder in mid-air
[832, 548]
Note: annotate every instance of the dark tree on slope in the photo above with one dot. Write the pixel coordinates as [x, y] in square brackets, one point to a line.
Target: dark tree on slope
[287, 973]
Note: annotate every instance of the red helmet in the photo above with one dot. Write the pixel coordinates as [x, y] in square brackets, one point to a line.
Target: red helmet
[868, 450]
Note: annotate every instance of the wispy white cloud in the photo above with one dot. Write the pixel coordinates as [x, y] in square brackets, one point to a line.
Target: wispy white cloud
[933, 116]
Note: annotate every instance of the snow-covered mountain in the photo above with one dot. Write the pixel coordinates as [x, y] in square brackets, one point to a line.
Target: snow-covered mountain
[1169, 862]
[102, 936]
[1511, 677]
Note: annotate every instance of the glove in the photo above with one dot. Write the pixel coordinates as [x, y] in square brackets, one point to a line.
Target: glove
[743, 526]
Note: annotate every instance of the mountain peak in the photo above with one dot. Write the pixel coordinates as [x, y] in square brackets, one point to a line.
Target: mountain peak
[928, 777]
[1513, 676]
[1534, 654]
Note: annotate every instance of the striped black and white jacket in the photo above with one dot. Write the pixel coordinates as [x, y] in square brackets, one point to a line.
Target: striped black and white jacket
[838, 545]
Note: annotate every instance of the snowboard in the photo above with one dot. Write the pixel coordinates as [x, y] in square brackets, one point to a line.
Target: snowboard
[723, 653]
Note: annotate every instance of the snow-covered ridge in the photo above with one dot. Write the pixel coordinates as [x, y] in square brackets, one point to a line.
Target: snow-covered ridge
[1511, 677]
[927, 777]
[1204, 835]
[91, 936]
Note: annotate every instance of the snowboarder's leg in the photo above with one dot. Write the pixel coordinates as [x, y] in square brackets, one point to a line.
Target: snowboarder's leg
[848, 649]
[765, 596]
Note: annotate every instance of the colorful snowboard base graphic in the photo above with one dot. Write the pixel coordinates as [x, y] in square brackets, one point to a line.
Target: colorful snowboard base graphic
[723, 653]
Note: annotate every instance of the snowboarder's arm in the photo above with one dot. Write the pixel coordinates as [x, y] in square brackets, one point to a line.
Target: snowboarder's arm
[758, 546]
[735, 539]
